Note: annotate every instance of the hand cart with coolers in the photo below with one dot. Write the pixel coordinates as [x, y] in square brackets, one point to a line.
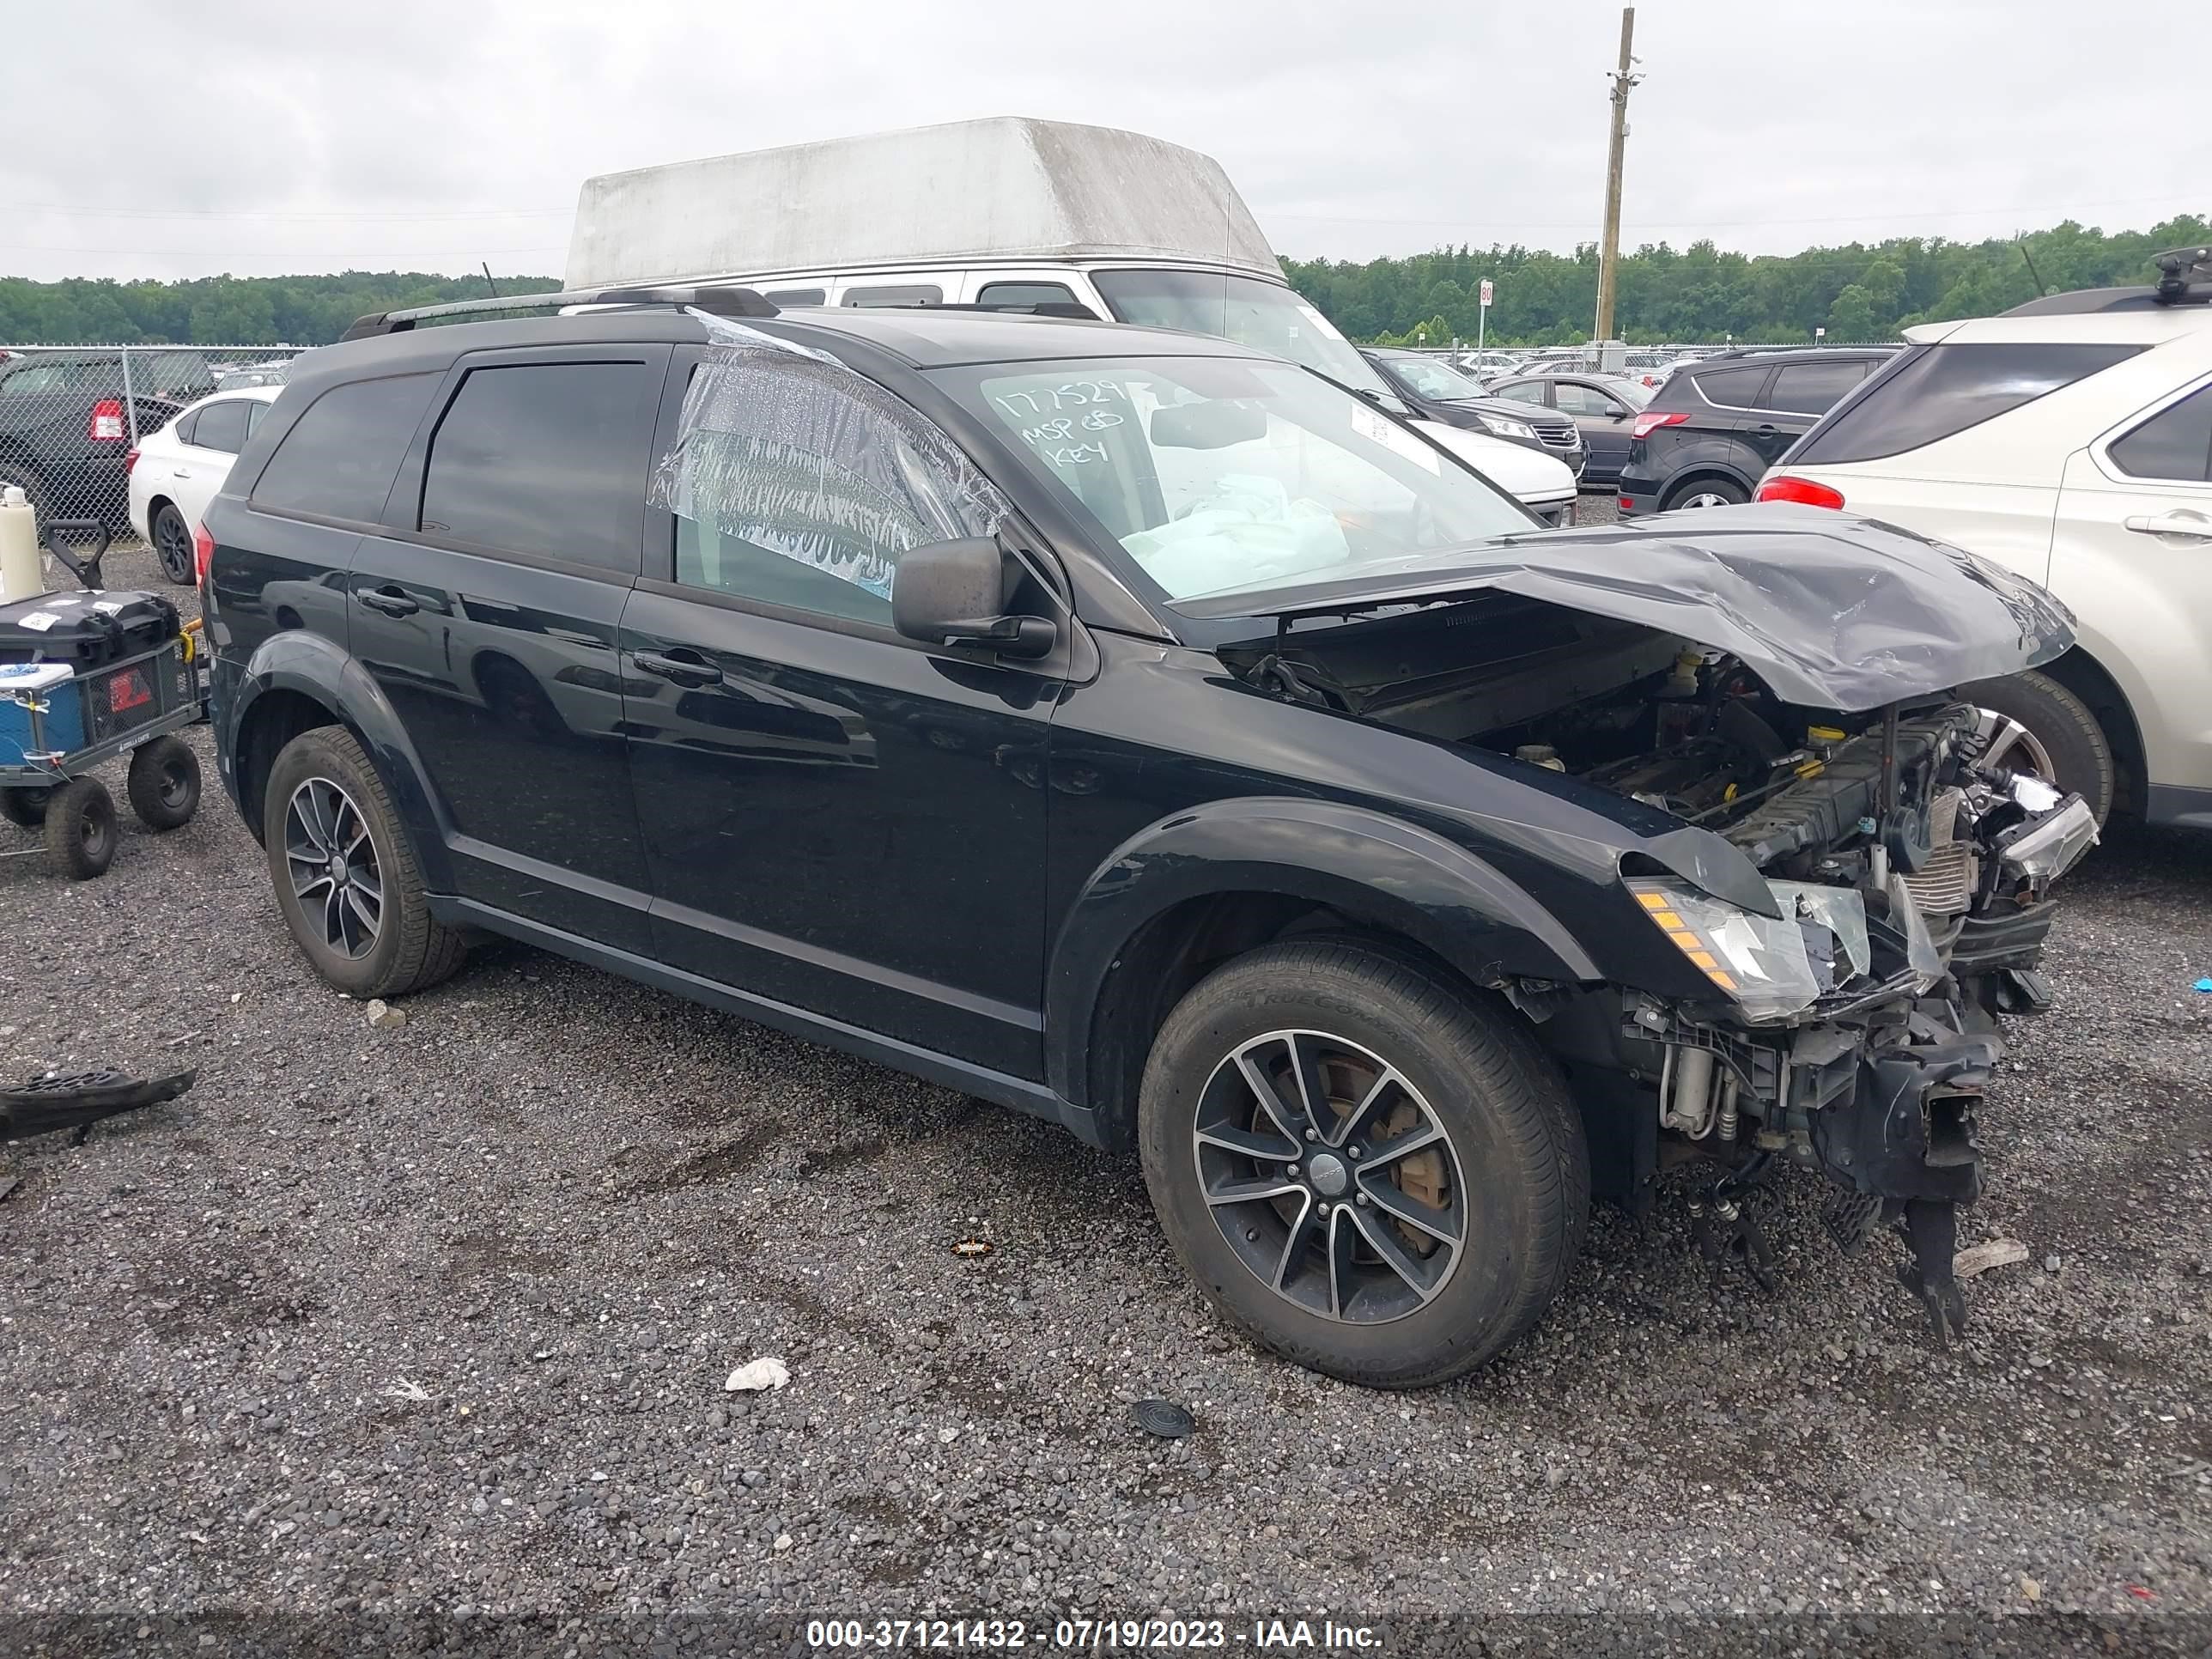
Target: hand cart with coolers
[85, 678]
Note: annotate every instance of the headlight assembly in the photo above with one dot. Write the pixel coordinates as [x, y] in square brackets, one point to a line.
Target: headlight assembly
[1759, 961]
[1499, 427]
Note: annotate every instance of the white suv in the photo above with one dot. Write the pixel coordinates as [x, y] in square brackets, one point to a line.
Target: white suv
[2071, 439]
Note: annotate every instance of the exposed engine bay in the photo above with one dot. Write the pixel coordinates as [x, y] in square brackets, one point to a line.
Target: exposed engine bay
[1853, 1031]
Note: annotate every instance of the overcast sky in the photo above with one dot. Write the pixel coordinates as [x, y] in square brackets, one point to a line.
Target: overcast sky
[151, 138]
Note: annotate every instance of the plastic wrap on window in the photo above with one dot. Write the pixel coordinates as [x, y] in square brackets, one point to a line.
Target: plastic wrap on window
[783, 447]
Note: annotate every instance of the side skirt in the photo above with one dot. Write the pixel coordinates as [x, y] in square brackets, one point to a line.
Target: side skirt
[1018, 1092]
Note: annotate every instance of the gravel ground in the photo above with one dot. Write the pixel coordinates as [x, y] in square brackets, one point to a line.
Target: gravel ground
[381, 1321]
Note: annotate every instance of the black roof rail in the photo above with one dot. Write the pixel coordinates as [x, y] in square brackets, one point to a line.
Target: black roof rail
[2184, 278]
[715, 302]
[1072, 310]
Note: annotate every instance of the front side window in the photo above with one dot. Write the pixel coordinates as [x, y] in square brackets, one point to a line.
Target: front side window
[221, 426]
[1217, 474]
[545, 459]
[1250, 310]
[799, 484]
[2175, 443]
[1933, 393]
[340, 456]
[1570, 398]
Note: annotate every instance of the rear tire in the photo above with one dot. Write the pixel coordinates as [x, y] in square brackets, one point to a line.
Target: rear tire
[173, 543]
[2079, 753]
[1506, 1173]
[24, 807]
[80, 829]
[1704, 492]
[368, 928]
[164, 784]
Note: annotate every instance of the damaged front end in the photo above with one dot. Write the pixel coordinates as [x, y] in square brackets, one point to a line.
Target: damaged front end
[1854, 1032]
[1822, 912]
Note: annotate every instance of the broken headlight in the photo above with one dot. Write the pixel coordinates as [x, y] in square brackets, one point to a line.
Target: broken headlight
[2041, 853]
[1759, 961]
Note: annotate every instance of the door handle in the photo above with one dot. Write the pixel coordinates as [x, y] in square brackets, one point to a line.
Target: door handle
[2172, 524]
[181, 472]
[690, 669]
[390, 601]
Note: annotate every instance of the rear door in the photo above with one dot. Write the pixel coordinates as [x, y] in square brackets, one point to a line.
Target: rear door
[1799, 395]
[208, 442]
[487, 608]
[2132, 556]
[836, 819]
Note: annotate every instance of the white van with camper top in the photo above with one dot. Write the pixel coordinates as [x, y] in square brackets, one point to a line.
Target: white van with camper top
[1008, 214]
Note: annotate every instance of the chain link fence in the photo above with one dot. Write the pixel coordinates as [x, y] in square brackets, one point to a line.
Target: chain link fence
[72, 417]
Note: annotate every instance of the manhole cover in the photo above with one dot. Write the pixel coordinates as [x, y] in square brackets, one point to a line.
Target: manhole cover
[1164, 1419]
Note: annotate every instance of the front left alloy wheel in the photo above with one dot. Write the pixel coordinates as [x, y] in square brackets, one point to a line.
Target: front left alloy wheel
[1375, 1172]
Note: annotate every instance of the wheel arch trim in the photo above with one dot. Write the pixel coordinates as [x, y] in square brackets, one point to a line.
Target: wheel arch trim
[1381, 871]
[318, 668]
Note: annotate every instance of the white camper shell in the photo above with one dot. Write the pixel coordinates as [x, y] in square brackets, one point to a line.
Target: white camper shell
[1011, 213]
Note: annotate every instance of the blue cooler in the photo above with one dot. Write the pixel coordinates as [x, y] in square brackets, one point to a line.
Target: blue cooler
[42, 711]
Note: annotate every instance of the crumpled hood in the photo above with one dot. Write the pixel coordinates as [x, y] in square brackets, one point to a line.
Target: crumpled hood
[1831, 611]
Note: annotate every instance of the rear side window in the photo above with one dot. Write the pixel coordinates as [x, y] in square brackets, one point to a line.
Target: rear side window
[341, 455]
[896, 293]
[1813, 388]
[2174, 443]
[221, 426]
[1734, 388]
[796, 296]
[1934, 392]
[545, 459]
[1025, 294]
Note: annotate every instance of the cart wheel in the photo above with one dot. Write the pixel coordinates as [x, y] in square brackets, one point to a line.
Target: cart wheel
[80, 828]
[164, 783]
[26, 807]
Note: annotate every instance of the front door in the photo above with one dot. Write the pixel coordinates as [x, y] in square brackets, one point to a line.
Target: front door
[487, 613]
[836, 817]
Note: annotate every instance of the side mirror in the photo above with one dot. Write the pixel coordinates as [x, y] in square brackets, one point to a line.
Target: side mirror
[955, 593]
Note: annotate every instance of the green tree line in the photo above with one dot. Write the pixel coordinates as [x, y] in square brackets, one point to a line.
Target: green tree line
[1857, 292]
[300, 311]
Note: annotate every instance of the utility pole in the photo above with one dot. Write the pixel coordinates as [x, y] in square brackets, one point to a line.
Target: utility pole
[1609, 258]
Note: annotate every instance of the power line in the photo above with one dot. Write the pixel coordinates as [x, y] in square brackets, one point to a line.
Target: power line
[1647, 224]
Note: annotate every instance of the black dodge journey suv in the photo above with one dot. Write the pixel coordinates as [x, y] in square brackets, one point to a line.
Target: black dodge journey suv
[1148, 734]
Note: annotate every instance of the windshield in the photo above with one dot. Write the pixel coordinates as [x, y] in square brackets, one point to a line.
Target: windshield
[1265, 316]
[1217, 473]
[1434, 379]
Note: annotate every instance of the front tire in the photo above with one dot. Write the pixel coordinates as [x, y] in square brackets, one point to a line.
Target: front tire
[1409, 1195]
[2056, 738]
[345, 872]
[80, 829]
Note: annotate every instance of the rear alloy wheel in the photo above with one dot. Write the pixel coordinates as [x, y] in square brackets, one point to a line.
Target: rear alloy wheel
[2032, 724]
[345, 874]
[1372, 1172]
[1708, 492]
[173, 544]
